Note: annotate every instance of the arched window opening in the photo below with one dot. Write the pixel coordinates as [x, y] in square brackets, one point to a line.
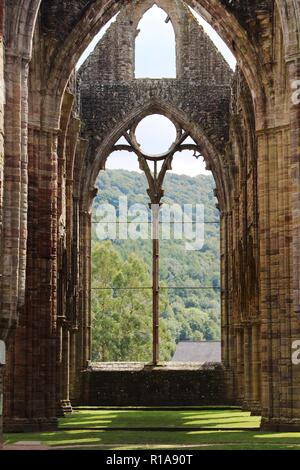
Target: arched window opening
[155, 48]
[120, 300]
[123, 252]
[190, 260]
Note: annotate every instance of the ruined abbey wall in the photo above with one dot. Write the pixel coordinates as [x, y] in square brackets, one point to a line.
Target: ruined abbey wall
[45, 217]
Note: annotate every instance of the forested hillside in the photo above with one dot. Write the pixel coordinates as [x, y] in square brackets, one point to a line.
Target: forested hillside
[190, 295]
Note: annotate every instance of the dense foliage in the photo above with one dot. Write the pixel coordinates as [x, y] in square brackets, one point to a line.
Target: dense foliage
[122, 317]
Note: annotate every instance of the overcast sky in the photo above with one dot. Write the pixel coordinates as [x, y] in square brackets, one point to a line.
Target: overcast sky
[155, 58]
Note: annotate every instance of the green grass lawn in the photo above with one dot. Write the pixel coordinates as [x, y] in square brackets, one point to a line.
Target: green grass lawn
[157, 419]
[224, 429]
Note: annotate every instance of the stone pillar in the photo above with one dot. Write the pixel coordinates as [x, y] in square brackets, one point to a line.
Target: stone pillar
[31, 387]
[75, 268]
[73, 336]
[240, 365]
[247, 367]
[256, 371]
[229, 358]
[13, 231]
[65, 385]
[293, 399]
[14, 191]
[279, 323]
[4, 323]
[224, 290]
[83, 348]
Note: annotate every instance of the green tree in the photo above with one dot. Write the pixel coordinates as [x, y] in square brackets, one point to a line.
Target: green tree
[122, 309]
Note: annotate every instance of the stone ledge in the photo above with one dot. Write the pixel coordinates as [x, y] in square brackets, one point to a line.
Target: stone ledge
[143, 366]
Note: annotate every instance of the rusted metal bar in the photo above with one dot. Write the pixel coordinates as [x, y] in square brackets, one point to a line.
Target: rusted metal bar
[155, 280]
[155, 192]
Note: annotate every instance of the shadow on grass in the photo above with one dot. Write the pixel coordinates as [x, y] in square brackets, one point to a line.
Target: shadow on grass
[159, 419]
[208, 439]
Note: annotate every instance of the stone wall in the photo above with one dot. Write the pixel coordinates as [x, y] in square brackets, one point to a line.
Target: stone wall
[103, 107]
[110, 98]
[136, 385]
[197, 59]
[257, 179]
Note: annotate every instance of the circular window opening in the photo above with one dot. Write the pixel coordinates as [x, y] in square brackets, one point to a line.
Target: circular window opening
[155, 134]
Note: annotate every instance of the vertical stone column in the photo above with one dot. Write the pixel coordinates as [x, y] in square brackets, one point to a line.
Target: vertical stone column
[31, 380]
[75, 254]
[225, 229]
[14, 216]
[14, 190]
[65, 386]
[247, 367]
[73, 338]
[229, 358]
[256, 371]
[267, 185]
[5, 322]
[294, 372]
[240, 364]
[279, 322]
[83, 348]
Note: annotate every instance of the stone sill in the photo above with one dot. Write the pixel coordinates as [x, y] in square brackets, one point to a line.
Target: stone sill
[143, 366]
